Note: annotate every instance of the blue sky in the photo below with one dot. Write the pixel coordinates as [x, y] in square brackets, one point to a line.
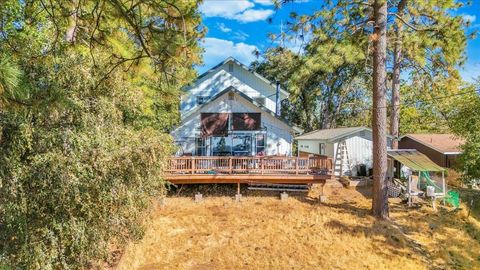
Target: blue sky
[238, 27]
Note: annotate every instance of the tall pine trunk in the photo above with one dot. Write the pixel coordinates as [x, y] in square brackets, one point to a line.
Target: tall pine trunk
[397, 61]
[395, 117]
[379, 122]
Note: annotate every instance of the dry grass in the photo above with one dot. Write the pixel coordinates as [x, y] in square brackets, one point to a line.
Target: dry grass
[263, 232]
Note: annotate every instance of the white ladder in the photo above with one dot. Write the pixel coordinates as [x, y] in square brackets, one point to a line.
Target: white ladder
[342, 161]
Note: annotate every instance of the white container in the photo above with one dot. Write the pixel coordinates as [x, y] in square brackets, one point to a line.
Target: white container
[430, 191]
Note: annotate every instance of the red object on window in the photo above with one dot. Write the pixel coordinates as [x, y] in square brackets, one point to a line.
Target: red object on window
[214, 124]
[247, 121]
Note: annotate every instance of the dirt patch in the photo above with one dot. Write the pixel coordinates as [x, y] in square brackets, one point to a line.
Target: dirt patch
[262, 232]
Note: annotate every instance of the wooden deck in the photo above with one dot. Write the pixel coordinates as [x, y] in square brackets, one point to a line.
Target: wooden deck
[275, 170]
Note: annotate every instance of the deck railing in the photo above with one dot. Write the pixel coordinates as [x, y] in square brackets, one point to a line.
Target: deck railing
[249, 165]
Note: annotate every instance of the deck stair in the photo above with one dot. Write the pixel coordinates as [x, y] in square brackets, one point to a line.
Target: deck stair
[279, 187]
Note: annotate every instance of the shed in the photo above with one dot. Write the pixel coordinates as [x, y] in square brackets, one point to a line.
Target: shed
[443, 149]
[350, 148]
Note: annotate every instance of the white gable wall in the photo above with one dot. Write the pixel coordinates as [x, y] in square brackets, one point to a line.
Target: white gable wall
[279, 139]
[219, 79]
[359, 147]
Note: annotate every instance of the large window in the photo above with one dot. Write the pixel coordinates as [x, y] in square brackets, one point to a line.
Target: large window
[242, 145]
[221, 146]
[260, 144]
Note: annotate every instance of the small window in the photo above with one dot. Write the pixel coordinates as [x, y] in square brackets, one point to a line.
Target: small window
[230, 67]
[260, 144]
[201, 99]
[321, 149]
[200, 147]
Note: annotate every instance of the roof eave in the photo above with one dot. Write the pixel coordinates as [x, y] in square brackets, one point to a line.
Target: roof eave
[430, 146]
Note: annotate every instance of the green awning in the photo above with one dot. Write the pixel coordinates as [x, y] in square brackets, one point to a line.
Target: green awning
[415, 160]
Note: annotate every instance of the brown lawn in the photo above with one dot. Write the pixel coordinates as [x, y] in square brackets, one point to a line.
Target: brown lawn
[263, 232]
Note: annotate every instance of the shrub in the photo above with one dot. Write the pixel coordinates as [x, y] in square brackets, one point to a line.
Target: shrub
[66, 195]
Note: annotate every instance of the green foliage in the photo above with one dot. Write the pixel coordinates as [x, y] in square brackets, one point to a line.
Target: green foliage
[92, 90]
[9, 78]
[330, 76]
[327, 78]
[419, 111]
[464, 121]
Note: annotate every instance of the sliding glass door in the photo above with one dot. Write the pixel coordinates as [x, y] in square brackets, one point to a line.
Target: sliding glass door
[235, 144]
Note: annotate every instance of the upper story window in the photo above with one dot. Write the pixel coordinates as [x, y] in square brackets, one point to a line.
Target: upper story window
[201, 99]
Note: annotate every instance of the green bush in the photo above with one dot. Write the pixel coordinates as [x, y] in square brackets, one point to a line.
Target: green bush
[66, 195]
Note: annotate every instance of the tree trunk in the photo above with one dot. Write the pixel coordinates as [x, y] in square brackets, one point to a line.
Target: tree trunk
[379, 122]
[397, 61]
[395, 117]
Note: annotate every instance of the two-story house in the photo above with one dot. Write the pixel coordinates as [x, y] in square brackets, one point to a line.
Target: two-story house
[233, 111]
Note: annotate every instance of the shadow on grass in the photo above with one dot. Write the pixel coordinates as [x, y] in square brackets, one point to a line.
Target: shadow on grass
[409, 227]
[229, 190]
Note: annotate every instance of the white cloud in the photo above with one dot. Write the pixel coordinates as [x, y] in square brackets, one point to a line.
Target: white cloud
[469, 18]
[240, 10]
[226, 9]
[217, 50]
[240, 35]
[252, 15]
[223, 28]
[264, 2]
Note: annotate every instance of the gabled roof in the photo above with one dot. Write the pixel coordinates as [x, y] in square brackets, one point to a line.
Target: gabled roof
[231, 59]
[414, 160]
[249, 99]
[332, 134]
[443, 143]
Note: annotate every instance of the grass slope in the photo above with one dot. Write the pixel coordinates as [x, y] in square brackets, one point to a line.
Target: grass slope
[263, 232]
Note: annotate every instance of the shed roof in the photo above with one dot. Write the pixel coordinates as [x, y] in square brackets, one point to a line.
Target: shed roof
[333, 134]
[443, 143]
[414, 160]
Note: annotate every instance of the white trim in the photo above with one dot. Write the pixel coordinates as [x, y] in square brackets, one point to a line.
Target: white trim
[452, 153]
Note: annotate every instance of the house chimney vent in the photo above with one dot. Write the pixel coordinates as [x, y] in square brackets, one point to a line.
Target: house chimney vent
[277, 100]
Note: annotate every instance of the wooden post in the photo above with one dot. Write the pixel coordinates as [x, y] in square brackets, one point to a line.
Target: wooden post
[444, 187]
[296, 165]
[230, 165]
[238, 187]
[322, 198]
[263, 165]
[193, 165]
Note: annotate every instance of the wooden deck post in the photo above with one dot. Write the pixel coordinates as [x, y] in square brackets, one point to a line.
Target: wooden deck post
[230, 165]
[193, 165]
[322, 198]
[296, 165]
[262, 165]
[238, 187]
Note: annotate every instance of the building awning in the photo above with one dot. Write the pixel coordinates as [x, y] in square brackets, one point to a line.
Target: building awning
[414, 160]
